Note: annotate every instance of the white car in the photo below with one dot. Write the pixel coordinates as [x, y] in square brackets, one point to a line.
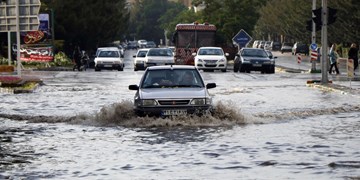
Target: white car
[141, 43]
[139, 59]
[159, 56]
[108, 58]
[172, 90]
[211, 58]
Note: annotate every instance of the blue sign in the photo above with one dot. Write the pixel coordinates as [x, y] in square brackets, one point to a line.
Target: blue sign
[313, 47]
[242, 38]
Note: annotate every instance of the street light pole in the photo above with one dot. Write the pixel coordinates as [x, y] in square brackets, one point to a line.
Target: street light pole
[313, 36]
[324, 44]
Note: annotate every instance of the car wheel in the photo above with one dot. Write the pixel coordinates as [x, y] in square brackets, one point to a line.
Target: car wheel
[241, 68]
[236, 67]
[223, 70]
[97, 69]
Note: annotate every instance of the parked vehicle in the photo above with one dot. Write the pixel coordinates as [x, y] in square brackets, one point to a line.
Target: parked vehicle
[261, 44]
[139, 59]
[131, 45]
[141, 43]
[267, 45]
[211, 58]
[256, 43]
[159, 56]
[275, 46]
[172, 90]
[286, 47]
[300, 48]
[253, 59]
[150, 44]
[108, 58]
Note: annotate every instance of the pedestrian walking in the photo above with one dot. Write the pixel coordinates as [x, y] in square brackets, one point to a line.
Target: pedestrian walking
[77, 58]
[333, 59]
[353, 54]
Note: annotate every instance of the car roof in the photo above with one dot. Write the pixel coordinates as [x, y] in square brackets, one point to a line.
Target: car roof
[107, 48]
[253, 48]
[210, 47]
[143, 49]
[171, 67]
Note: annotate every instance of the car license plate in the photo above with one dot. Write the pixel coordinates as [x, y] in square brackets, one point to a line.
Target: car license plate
[174, 112]
[257, 65]
[107, 65]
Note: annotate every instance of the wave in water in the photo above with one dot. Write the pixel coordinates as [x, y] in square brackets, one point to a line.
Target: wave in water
[225, 114]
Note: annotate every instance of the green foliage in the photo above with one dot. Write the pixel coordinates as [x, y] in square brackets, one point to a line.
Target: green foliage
[89, 23]
[60, 59]
[287, 19]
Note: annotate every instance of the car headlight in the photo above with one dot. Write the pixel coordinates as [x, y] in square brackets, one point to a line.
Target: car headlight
[201, 101]
[246, 61]
[117, 62]
[222, 60]
[149, 102]
[200, 60]
[98, 62]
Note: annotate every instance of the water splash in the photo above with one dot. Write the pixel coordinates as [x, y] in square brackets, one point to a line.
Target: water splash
[226, 114]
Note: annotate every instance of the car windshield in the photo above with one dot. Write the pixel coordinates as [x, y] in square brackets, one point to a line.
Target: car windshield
[254, 53]
[141, 54]
[109, 54]
[160, 52]
[218, 52]
[172, 78]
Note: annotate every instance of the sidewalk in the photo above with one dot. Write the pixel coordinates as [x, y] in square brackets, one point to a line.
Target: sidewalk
[340, 83]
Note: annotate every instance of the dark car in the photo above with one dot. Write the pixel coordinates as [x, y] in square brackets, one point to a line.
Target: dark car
[172, 90]
[275, 46]
[131, 45]
[300, 48]
[254, 59]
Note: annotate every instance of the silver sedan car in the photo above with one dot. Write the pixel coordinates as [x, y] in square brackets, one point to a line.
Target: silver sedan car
[172, 90]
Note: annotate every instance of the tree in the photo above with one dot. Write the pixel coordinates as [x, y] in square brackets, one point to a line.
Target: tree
[89, 23]
[144, 21]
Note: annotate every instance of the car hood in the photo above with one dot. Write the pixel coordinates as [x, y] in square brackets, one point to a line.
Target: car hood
[160, 58]
[172, 93]
[210, 57]
[107, 59]
[256, 58]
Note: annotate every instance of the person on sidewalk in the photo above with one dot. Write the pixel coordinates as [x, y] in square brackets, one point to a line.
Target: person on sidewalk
[353, 54]
[77, 58]
[333, 59]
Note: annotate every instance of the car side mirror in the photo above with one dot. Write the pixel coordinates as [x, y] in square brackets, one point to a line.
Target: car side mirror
[210, 85]
[134, 87]
[275, 57]
[194, 54]
[134, 56]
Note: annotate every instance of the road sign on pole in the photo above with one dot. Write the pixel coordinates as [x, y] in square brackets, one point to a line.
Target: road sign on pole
[242, 38]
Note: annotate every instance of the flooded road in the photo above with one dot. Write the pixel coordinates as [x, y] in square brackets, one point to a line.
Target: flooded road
[80, 125]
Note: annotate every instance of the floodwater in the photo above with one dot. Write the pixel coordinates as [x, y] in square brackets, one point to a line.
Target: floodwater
[79, 125]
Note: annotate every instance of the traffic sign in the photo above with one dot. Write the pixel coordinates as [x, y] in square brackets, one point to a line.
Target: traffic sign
[28, 15]
[242, 38]
[313, 46]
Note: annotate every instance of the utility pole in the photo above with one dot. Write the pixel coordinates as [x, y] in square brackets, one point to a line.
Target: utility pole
[313, 36]
[324, 44]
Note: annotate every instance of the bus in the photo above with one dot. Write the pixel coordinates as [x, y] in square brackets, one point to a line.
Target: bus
[188, 38]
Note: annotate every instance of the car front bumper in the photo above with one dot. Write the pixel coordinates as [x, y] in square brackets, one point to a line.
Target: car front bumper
[164, 111]
[108, 66]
